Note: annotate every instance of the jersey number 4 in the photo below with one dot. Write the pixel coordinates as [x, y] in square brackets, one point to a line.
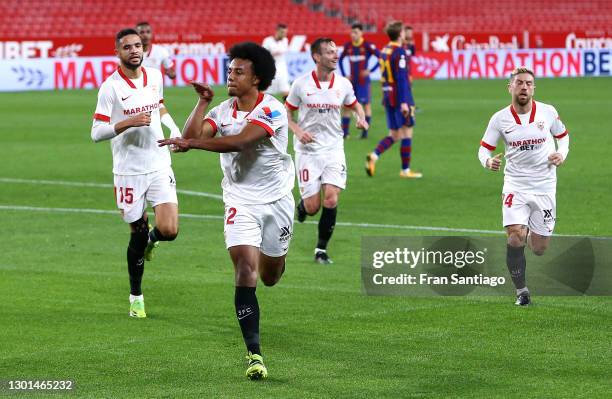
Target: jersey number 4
[508, 200]
[126, 194]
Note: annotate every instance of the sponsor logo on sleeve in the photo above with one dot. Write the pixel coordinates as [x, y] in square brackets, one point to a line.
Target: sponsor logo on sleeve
[269, 115]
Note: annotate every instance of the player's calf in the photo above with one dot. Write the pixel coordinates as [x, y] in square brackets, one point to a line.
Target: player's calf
[271, 269]
[312, 204]
[135, 254]
[537, 243]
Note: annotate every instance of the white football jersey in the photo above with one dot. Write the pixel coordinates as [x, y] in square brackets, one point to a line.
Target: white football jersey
[263, 173]
[156, 57]
[135, 151]
[529, 141]
[278, 48]
[319, 106]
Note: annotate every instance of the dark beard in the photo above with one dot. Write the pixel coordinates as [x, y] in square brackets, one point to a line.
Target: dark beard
[133, 67]
[521, 102]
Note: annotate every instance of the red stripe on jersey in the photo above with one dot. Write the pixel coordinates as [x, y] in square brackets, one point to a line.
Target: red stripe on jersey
[290, 106]
[487, 146]
[560, 136]
[351, 105]
[531, 115]
[533, 111]
[266, 127]
[316, 80]
[515, 115]
[127, 80]
[101, 117]
[260, 97]
[161, 101]
[212, 123]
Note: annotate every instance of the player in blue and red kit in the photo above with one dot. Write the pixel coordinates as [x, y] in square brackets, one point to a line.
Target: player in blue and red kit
[358, 52]
[397, 100]
[409, 46]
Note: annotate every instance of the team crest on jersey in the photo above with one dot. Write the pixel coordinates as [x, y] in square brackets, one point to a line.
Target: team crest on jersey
[540, 125]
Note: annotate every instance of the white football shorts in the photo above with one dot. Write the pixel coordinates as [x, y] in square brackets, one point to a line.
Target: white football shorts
[313, 170]
[268, 227]
[537, 211]
[132, 192]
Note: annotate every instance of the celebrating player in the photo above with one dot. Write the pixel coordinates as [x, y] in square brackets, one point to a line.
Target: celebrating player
[257, 180]
[127, 114]
[527, 128]
[359, 53]
[158, 57]
[398, 102]
[278, 45]
[318, 141]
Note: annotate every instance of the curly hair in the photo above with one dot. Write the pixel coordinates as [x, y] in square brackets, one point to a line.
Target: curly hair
[263, 62]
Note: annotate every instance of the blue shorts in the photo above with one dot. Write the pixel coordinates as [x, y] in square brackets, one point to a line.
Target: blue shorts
[395, 119]
[362, 92]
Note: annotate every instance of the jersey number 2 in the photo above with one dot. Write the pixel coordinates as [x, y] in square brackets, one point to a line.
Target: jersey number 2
[231, 213]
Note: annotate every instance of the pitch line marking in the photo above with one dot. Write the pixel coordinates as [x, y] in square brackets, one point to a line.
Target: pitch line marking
[220, 217]
[97, 185]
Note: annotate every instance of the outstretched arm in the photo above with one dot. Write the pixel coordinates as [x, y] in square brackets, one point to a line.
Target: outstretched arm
[250, 136]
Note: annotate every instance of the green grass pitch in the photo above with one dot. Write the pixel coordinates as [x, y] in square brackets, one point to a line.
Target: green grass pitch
[64, 287]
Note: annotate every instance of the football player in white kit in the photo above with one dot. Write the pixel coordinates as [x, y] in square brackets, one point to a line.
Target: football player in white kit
[127, 114]
[319, 140]
[278, 45]
[158, 57]
[258, 177]
[527, 128]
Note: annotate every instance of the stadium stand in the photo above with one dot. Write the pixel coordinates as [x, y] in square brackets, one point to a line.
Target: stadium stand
[94, 18]
[485, 16]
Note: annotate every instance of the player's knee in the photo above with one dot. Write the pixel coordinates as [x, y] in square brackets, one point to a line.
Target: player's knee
[516, 238]
[312, 207]
[270, 279]
[246, 275]
[140, 226]
[139, 236]
[169, 232]
[539, 249]
[331, 201]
